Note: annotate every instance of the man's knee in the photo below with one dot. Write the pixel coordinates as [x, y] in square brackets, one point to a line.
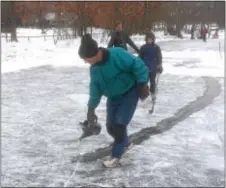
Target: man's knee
[119, 133]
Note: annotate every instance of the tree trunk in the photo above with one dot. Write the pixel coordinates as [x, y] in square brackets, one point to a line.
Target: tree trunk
[116, 14]
[178, 24]
[41, 21]
[82, 19]
[13, 22]
[145, 15]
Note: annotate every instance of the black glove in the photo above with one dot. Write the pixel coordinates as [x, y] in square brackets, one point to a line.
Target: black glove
[138, 51]
[91, 116]
[143, 91]
[159, 69]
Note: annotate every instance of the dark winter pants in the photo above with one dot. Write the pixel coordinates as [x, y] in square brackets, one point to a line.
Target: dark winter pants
[152, 76]
[204, 37]
[120, 111]
[192, 35]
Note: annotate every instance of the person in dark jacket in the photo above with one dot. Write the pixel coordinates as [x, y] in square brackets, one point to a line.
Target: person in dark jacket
[192, 31]
[120, 38]
[151, 54]
[203, 32]
[122, 78]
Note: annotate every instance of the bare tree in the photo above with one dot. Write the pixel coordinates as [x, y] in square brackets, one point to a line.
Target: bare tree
[13, 22]
[8, 19]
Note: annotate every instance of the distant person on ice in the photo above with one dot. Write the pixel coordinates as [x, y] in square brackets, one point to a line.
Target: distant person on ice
[203, 32]
[120, 38]
[151, 54]
[193, 31]
[122, 78]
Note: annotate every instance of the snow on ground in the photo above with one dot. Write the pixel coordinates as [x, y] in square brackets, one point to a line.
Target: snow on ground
[208, 61]
[191, 60]
[44, 96]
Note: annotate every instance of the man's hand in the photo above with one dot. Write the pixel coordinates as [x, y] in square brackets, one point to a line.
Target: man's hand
[159, 69]
[91, 116]
[143, 91]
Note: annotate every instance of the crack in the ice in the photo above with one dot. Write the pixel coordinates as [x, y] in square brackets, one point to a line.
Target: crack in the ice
[212, 90]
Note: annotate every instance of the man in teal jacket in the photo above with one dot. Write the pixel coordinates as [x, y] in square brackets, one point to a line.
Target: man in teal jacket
[122, 78]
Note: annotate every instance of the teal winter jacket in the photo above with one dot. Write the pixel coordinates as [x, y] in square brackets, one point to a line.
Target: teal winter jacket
[115, 74]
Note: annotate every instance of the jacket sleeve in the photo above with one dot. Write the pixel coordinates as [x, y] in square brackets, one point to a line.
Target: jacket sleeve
[131, 43]
[159, 55]
[112, 40]
[130, 63]
[94, 93]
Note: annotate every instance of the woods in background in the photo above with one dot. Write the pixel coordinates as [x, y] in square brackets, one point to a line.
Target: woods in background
[135, 16]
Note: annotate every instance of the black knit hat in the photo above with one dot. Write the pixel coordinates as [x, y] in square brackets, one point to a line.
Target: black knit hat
[150, 35]
[88, 47]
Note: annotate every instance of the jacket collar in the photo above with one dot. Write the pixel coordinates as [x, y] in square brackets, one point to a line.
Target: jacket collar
[105, 56]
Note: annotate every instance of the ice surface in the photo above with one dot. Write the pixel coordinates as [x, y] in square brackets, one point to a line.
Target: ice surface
[44, 96]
